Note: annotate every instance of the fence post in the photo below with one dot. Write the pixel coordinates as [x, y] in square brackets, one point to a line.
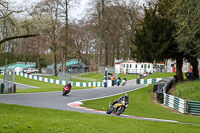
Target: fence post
[186, 107]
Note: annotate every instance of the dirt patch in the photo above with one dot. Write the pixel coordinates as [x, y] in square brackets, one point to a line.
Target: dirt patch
[171, 90]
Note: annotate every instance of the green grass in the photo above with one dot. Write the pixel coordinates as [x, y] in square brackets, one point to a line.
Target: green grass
[160, 75]
[72, 79]
[97, 76]
[128, 76]
[21, 119]
[141, 105]
[43, 86]
[189, 90]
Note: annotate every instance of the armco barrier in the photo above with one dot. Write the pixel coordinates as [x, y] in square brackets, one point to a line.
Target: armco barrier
[179, 104]
[148, 81]
[60, 82]
[175, 103]
[194, 107]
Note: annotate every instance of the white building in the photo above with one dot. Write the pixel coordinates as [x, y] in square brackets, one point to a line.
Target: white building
[134, 67]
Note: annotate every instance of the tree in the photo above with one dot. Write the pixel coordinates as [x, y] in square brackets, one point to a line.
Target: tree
[188, 30]
[114, 21]
[10, 30]
[6, 21]
[154, 37]
[50, 9]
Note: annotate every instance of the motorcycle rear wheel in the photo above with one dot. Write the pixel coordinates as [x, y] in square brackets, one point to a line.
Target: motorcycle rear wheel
[108, 111]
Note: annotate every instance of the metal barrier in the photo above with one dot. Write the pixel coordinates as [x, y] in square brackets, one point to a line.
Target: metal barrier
[148, 81]
[176, 103]
[194, 107]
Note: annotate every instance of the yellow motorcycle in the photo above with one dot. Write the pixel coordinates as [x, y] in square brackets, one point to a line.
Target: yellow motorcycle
[118, 108]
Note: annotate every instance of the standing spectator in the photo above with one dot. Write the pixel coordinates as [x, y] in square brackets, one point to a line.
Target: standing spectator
[105, 81]
[112, 79]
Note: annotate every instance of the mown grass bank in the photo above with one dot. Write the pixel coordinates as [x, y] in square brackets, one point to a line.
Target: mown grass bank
[141, 104]
[42, 86]
[189, 90]
[160, 75]
[21, 119]
[97, 76]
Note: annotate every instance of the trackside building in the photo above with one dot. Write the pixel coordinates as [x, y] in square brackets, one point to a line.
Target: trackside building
[133, 67]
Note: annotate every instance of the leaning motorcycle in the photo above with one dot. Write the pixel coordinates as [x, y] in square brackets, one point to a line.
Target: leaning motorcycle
[66, 90]
[123, 82]
[117, 108]
[118, 82]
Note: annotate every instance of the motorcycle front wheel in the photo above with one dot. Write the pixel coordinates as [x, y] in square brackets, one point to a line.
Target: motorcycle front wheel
[120, 110]
[64, 93]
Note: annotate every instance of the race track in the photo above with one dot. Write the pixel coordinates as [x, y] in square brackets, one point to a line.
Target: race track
[55, 100]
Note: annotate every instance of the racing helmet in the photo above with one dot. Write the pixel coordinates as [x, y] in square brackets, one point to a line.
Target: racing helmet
[126, 95]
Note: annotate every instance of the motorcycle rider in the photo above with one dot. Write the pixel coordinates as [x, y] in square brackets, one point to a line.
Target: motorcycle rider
[124, 81]
[126, 97]
[68, 85]
[118, 81]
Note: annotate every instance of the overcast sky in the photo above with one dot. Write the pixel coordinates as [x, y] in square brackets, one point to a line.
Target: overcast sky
[74, 13]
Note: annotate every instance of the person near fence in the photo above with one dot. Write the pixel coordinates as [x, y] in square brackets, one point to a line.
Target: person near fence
[105, 81]
[112, 79]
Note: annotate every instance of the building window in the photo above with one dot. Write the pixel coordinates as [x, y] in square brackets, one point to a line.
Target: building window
[130, 65]
[124, 66]
[135, 65]
[145, 65]
[142, 66]
[148, 65]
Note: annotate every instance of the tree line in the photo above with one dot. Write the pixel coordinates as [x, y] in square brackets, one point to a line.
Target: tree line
[98, 39]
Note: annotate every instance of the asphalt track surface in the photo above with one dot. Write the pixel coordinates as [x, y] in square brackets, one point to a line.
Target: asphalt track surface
[71, 102]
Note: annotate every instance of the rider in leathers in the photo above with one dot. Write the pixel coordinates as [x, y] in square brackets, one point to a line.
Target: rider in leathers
[121, 99]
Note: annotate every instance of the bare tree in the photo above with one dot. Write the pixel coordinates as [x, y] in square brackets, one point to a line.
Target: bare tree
[8, 24]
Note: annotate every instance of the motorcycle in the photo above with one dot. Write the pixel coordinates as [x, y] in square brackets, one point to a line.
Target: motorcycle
[105, 84]
[123, 82]
[66, 90]
[118, 82]
[117, 108]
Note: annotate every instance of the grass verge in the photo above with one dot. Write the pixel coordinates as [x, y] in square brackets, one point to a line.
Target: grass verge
[15, 119]
[97, 76]
[189, 90]
[141, 105]
[163, 75]
[160, 75]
